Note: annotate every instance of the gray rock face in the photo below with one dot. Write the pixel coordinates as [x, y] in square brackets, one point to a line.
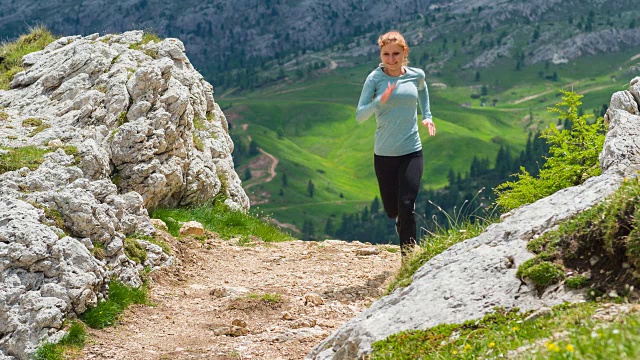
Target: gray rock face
[139, 114]
[141, 130]
[469, 279]
[44, 277]
[50, 221]
[604, 41]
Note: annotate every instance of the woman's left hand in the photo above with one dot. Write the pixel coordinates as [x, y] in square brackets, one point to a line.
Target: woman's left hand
[429, 124]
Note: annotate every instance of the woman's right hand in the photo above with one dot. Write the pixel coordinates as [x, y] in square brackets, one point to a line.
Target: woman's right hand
[387, 92]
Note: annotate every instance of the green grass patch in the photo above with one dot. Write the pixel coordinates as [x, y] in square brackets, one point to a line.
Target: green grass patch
[122, 118]
[17, 158]
[197, 142]
[220, 218]
[434, 244]
[36, 123]
[272, 298]
[73, 340]
[255, 302]
[3, 116]
[153, 240]
[32, 122]
[266, 297]
[134, 250]
[108, 311]
[496, 334]
[99, 251]
[198, 123]
[11, 53]
[576, 282]
[39, 129]
[55, 218]
[146, 38]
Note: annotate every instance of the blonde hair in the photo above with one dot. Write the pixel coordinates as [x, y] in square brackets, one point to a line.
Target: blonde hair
[394, 36]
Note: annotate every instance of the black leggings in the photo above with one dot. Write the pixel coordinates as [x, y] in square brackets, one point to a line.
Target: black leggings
[399, 182]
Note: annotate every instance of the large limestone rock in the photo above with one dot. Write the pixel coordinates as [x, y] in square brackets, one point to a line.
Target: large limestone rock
[139, 114]
[129, 126]
[469, 279]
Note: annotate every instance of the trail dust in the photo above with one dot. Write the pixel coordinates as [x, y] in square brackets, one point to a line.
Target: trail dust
[258, 301]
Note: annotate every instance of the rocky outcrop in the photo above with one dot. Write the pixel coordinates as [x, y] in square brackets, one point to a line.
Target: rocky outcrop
[471, 278]
[138, 113]
[604, 41]
[127, 126]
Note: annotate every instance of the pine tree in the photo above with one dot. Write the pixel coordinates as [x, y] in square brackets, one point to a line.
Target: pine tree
[311, 188]
[253, 148]
[375, 206]
[328, 228]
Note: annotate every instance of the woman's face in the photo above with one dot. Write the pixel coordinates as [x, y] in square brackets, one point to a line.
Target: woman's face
[392, 55]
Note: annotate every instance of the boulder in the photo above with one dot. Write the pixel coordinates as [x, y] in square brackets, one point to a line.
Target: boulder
[192, 228]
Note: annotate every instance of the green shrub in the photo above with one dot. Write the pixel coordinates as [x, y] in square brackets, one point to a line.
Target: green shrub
[120, 297]
[573, 157]
[576, 282]
[541, 273]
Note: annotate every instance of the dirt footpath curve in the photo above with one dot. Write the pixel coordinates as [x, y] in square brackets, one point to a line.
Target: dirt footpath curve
[257, 301]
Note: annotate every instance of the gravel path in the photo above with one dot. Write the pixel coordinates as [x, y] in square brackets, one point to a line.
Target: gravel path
[212, 304]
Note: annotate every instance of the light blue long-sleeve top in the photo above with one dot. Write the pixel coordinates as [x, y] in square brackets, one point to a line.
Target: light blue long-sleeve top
[397, 120]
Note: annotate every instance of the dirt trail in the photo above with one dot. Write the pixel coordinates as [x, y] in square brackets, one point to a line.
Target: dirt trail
[216, 282]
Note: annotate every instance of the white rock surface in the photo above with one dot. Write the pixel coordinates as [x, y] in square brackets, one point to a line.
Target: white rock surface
[469, 279]
[134, 117]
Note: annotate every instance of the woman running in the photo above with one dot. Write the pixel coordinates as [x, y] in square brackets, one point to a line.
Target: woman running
[392, 91]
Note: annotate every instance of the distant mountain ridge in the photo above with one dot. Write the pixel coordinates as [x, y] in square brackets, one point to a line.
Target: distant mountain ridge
[222, 34]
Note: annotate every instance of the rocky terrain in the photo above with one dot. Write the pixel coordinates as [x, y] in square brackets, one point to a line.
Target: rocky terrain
[471, 278]
[256, 301]
[122, 125]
